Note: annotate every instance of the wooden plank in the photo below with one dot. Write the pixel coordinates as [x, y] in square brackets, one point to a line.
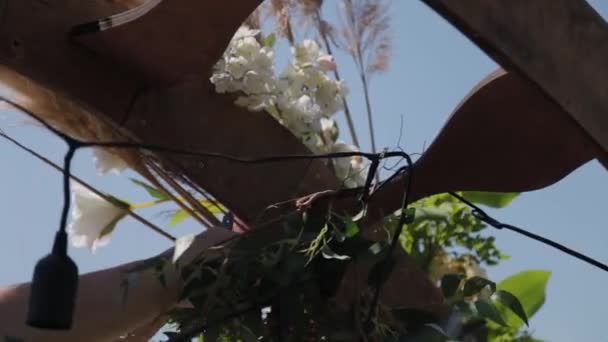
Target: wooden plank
[34, 42]
[506, 135]
[175, 40]
[560, 45]
[126, 98]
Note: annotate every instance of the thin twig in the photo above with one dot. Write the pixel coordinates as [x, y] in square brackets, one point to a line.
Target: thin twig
[202, 219]
[88, 187]
[349, 118]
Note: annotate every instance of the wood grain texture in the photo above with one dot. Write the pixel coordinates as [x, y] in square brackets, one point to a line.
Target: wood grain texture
[176, 40]
[506, 135]
[559, 45]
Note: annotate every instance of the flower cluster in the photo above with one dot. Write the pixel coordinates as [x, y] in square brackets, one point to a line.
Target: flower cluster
[303, 98]
[443, 264]
[93, 218]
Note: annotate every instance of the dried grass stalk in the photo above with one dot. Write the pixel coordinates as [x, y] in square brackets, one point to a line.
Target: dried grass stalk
[74, 120]
[365, 33]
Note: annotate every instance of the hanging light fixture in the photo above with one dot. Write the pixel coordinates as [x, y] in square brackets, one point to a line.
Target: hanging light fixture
[53, 289]
[55, 281]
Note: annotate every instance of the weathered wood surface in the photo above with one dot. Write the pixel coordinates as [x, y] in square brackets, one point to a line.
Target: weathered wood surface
[138, 94]
[559, 45]
[143, 80]
[506, 135]
[123, 84]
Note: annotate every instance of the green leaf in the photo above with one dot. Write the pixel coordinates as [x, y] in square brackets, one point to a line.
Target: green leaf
[410, 215]
[491, 199]
[529, 287]
[486, 309]
[352, 228]
[178, 217]
[433, 213]
[510, 301]
[213, 207]
[475, 284]
[450, 284]
[181, 214]
[269, 40]
[152, 191]
[109, 228]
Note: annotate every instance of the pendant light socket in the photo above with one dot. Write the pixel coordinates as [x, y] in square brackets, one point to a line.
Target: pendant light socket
[53, 289]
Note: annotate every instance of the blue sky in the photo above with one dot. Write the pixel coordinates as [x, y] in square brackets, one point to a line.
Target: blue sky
[433, 67]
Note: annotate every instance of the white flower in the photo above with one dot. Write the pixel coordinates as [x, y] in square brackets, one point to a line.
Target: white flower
[302, 97]
[244, 31]
[351, 170]
[473, 269]
[329, 95]
[93, 218]
[237, 66]
[328, 129]
[106, 161]
[306, 52]
[326, 62]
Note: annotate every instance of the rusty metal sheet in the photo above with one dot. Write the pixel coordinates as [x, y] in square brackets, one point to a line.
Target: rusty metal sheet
[560, 45]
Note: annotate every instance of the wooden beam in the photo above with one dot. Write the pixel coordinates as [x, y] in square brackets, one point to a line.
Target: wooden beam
[138, 95]
[559, 45]
[506, 135]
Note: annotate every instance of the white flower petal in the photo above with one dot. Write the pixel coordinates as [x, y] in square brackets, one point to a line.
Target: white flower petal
[91, 214]
[326, 62]
[106, 161]
[181, 245]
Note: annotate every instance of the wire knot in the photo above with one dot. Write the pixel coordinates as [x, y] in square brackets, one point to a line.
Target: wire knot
[481, 215]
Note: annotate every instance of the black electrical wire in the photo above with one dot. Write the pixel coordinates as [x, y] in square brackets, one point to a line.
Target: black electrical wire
[483, 216]
[74, 145]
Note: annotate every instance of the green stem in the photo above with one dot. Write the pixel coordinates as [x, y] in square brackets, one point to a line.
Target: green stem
[349, 118]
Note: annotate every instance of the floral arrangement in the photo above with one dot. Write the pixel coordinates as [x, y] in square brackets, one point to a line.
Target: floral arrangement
[303, 98]
[240, 292]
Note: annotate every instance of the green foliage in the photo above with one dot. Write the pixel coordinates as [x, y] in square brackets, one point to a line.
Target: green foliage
[152, 191]
[181, 214]
[530, 288]
[512, 303]
[442, 223]
[109, 228]
[269, 40]
[295, 269]
[178, 217]
[477, 297]
[486, 309]
[491, 199]
[445, 228]
[450, 283]
[475, 284]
